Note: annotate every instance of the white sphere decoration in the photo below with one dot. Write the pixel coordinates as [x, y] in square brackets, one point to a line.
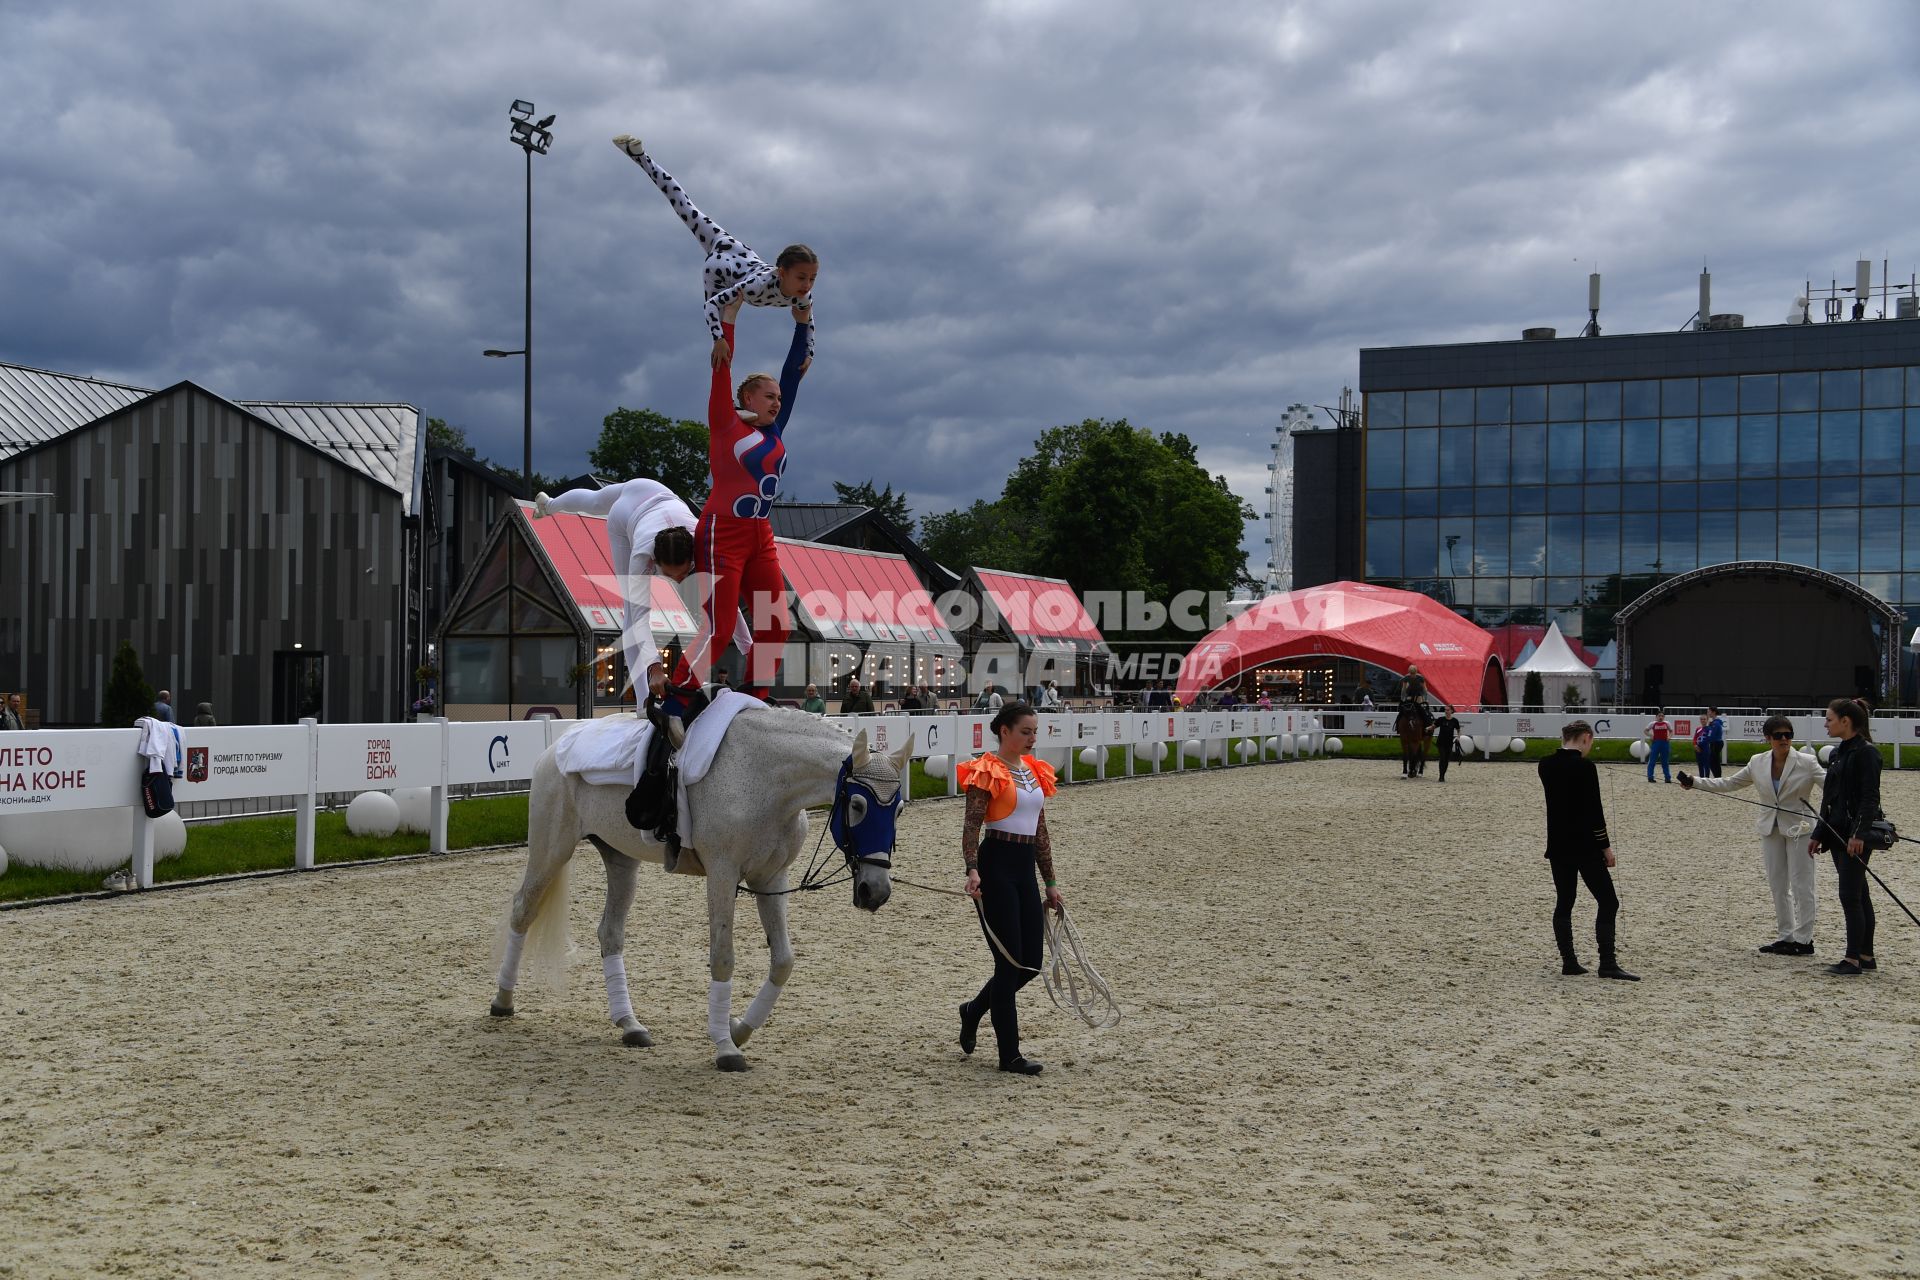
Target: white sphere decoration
[96, 840]
[1090, 756]
[1638, 750]
[1272, 746]
[935, 766]
[1245, 750]
[1826, 754]
[1151, 752]
[373, 813]
[3, 861]
[416, 809]
[1193, 749]
[1466, 744]
[1517, 746]
[1335, 746]
[169, 836]
[1217, 751]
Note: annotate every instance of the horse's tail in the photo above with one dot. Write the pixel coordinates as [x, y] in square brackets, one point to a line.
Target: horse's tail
[552, 833]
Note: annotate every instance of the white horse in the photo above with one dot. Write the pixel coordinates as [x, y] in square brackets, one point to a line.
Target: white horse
[749, 814]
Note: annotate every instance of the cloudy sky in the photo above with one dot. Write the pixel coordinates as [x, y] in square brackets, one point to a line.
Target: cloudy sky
[1028, 211]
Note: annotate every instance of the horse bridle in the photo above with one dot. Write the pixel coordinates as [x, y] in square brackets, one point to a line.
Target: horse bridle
[855, 803]
[863, 828]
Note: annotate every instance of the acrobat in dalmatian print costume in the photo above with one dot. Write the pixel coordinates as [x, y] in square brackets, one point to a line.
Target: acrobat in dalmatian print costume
[732, 270]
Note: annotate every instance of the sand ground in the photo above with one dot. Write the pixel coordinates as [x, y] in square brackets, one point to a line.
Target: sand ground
[1346, 1051]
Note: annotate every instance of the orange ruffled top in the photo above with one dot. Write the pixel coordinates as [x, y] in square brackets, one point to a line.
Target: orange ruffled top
[990, 774]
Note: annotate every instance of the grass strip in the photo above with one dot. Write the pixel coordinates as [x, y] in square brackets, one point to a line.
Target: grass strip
[266, 844]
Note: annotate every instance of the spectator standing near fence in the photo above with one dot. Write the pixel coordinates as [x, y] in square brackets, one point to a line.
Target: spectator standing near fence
[813, 702]
[1660, 746]
[163, 707]
[1716, 744]
[858, 701]
[205, 720]
[12, 715]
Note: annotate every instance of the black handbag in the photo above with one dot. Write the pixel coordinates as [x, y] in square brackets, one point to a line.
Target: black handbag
[156, 794]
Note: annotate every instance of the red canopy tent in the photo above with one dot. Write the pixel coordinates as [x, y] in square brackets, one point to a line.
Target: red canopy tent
[1379, 625]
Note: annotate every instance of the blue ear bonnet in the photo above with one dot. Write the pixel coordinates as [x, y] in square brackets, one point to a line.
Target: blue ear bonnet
[862, 824]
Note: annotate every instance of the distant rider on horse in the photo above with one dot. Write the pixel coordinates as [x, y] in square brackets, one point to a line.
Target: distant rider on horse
[1413, 695]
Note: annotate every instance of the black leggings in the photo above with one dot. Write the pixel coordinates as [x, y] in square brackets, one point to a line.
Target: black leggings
[1010, 900]
[1567, 876]
[1855, 902]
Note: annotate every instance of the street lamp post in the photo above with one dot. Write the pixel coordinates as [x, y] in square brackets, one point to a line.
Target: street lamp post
[531, 136]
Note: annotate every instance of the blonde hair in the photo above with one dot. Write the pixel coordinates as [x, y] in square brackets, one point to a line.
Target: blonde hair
[740, 394]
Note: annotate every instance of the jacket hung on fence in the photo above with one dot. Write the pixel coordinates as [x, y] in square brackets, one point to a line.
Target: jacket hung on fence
[1576, 822]
[1852, 793]
[1798, 777]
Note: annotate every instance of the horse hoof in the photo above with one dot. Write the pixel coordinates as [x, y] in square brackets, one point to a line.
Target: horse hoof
[731, 1062]
[740, 1031]
[637, 1038]
[500, 1011]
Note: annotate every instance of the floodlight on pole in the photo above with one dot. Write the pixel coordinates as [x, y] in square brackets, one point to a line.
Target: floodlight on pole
[533, 137]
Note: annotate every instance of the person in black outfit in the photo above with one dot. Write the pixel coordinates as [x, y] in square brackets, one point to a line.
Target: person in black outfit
[1579, 848]
[1006, 794]
[1447, 737]
[1850, 799]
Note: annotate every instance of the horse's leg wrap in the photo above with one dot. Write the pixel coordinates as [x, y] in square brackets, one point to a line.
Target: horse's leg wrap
[719, 1008]
[619, 1004]
[510, 960]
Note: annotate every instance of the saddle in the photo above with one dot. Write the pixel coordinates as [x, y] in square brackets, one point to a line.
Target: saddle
[653, 804]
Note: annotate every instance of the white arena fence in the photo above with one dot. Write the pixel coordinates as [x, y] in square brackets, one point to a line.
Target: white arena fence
[1498, 727]
[48, 771]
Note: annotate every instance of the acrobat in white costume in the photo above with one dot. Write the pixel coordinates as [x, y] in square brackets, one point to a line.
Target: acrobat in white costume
[636, 512]
[732, 270]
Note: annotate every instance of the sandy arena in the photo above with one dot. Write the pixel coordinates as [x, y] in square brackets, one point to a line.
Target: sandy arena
[1347, 1050]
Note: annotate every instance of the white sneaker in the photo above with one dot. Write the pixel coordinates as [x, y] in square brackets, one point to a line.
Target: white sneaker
[540, 501]
[118, 882]
[631, 145]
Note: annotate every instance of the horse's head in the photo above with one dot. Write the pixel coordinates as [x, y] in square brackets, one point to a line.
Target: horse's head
[866, 807]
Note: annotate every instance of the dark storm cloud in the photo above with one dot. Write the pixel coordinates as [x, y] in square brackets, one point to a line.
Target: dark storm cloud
[1029, 212]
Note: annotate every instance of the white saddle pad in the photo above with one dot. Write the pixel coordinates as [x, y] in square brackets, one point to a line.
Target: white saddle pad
[613, 751]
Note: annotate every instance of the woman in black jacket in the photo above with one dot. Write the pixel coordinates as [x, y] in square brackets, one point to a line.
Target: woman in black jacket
[1850, 800]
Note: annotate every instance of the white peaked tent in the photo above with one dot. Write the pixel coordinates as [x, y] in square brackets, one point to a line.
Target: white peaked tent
[1603, 664]
[1559, 669]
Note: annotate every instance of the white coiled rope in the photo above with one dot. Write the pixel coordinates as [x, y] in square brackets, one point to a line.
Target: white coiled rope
[1072, 983]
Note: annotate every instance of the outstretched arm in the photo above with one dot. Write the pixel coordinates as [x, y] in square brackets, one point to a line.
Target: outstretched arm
[720, 409]
[790, 373]
[1743, 778]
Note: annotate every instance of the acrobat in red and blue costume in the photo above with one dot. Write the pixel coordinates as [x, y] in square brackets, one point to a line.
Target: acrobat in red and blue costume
[733, 542]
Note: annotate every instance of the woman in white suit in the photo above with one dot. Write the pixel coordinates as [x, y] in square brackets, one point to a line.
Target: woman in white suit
[1785, 779]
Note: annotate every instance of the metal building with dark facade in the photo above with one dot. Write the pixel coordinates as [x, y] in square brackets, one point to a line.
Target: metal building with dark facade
[261, 556]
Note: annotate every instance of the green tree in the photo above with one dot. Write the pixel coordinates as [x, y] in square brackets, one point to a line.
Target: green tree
[1570, 698]
[987, 535]
[888, 503]
[1533, 694]
[128, 695]
[1122, 509]
[442, 436]
[641, 442]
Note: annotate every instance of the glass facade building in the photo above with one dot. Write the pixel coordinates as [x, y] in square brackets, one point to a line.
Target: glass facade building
[1556, 481]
